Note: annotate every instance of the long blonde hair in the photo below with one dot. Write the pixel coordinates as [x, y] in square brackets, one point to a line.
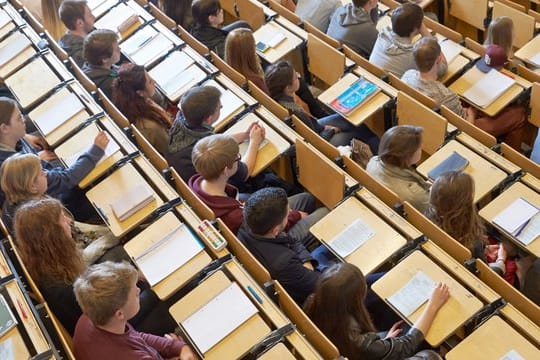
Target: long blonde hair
[240, 53]
[51, 18]
[501, 32]
[18, 176]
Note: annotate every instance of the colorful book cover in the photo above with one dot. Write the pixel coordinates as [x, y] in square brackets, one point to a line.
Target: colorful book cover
[357, 93]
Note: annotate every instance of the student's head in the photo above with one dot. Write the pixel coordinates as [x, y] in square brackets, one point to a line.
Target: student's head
[201, 105]
[339, 297]
[401, 146]
[427, 53]
[281, 78]
[451, 206]
[22, 178]
[76, 15]
[179, 11]
[207, 12]
[101, 48]
[363, 3]
[43, 234]
[240, 53]
[108, 290]
[407, 19]
[12, 124]
[266, 210]
[216, 155]
[501, 32]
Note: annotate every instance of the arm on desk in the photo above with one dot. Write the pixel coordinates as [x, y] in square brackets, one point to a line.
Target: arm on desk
[256, 137]
[440, 294]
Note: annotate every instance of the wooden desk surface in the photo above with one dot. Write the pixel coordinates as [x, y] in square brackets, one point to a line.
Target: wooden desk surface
[19, 347]
[16, 60]
[364, 110]
[474, 75]
[290, 43]
[529, 50]
[277, 352]
[492, 340]
[375, 251]
[458, 309]
[525, 325]
[386, 87]
[180, 276]
[531, 181]
[237, 342]
[275, 146]
[514, 192]
[486, 175]
[114, 187]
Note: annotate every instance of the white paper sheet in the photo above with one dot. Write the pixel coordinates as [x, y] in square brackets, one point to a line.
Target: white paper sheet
[219, 317]
[512, 355]
[492, 85]
[115, 17]
[413, 294]
[54, 113]
[531, 231]
[88, 134]
[170, 68]
[12, 46]
[535, 59]
[138, 40]
[229, 101]
[167, 254]
[515, 215]
[4, 18]
[450, 49]
[351, 238]
[6, 350]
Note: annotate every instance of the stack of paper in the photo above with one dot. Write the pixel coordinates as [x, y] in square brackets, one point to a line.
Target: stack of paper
[12, 46]
[56, 111]
[351, 238]
[516, 216]
[134, 200]
[413, 294]
[492, 85]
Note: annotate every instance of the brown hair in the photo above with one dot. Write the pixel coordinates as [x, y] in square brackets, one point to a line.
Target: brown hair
[240, 53]
[70, 11]
[406, 18]
[426, 51]
[451, 206]
[500, 32]
[202, 9]
[7, 107]
[198, 103]
[278, 76]
[339, 299]
[18, 175]
[46, 250]
[398, 145]
[98, 46]
[212, 154]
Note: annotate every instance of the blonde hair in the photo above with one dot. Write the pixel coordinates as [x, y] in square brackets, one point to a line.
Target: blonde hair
[212, 154]
[18, 176]
[240, 53]
[501, 32]
[103, 289]
[51, 18]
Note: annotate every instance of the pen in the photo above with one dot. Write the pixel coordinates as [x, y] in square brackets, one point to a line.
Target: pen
[255, 295]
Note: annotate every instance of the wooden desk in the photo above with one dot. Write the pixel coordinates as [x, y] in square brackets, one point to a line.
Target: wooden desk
[275, 146]
[458, 309]
[180, 276]
[492, 340]
[521, 322]
[99, 7]
[364, 110]
[14, 51]
[116, 16]
[531, 181]
[115, 186]
[472, 76]
[528, 51]
[514, 192]
[486, 175]
[375, 251]
[238, 342]
[267, 31]
[277, 352]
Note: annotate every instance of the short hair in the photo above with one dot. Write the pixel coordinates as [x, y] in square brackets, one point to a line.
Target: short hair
[7, 107]
[70, 11]
[406, 18]
[198, 103]
[202, 9]
[426, 51]
[103, 289]
[265, 209]
[398, 145]
[212, 154]
[18, 175]
[98, 46]
[359, 3]
[278, 76]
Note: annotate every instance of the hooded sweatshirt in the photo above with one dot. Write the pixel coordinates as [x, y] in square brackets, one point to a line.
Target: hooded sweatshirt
[317, 12]
[354, 27]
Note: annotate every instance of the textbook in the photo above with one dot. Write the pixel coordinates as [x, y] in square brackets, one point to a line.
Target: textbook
[7, 320]
[454, 162]
[485, 91]
[357, 93]
[515, 217]
[131, 202]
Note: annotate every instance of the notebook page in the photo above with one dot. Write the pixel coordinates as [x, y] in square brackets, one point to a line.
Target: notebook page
[4, 19]
[176, 87]
[229, 101]
[12, 46]
[413, 294]
[54, 113]
[138, 40]
[115, 17]
[132, 201]
[450, 49]
[515, 215]
[531, 231]
[492, 85]
[351, 238]
[152, 50]
[512, 355]
[87, 134]
[225, 312]
[167, 254]
[170, 68]
[6, 350]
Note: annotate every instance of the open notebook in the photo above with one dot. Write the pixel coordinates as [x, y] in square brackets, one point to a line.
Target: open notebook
[132, 201]
[146, 45]
[485, 91]
[520, 219]
[229, 101]
[12, 46]
[119, 18]
[450, 49]
[55, 111]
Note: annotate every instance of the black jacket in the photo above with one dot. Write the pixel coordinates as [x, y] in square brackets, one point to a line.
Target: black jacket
[213, 38]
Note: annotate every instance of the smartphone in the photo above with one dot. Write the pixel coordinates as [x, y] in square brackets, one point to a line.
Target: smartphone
[262, 47]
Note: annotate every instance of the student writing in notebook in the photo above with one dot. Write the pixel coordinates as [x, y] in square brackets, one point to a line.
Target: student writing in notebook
[428, 57]
[337, 308]
[78, 18]
[109, 297]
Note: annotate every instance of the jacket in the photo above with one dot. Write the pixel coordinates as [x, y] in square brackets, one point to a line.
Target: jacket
[317, 12]
[393, 53]
[156, 134]
[73, 46]
[213, 38]
[101, 76]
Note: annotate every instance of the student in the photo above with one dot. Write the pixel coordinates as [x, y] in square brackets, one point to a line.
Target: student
[216, 159]
[400, 149]
[46, 247]
[78, 18]
[393, 50]
[61, 182]
[317, 12]
[208, 29]
[101, 53]
[452, 208]
[428, 57]
[282, 81]
[179, 11]
[501, 32]
[109, 296]
[527, 275]
[337, 308]
[132, 92]
[354, 24]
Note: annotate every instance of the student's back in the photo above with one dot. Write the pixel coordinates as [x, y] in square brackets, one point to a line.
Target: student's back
[317, 12]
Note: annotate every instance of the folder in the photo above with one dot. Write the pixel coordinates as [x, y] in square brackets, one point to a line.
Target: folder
[454, 162]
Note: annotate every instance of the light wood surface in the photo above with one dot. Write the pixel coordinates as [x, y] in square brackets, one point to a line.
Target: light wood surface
[529, 50]
[471, 12]
[290, 43]
[525, 325]
[277, 352]
[523, 23]
[15, 60]
[461, 305]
